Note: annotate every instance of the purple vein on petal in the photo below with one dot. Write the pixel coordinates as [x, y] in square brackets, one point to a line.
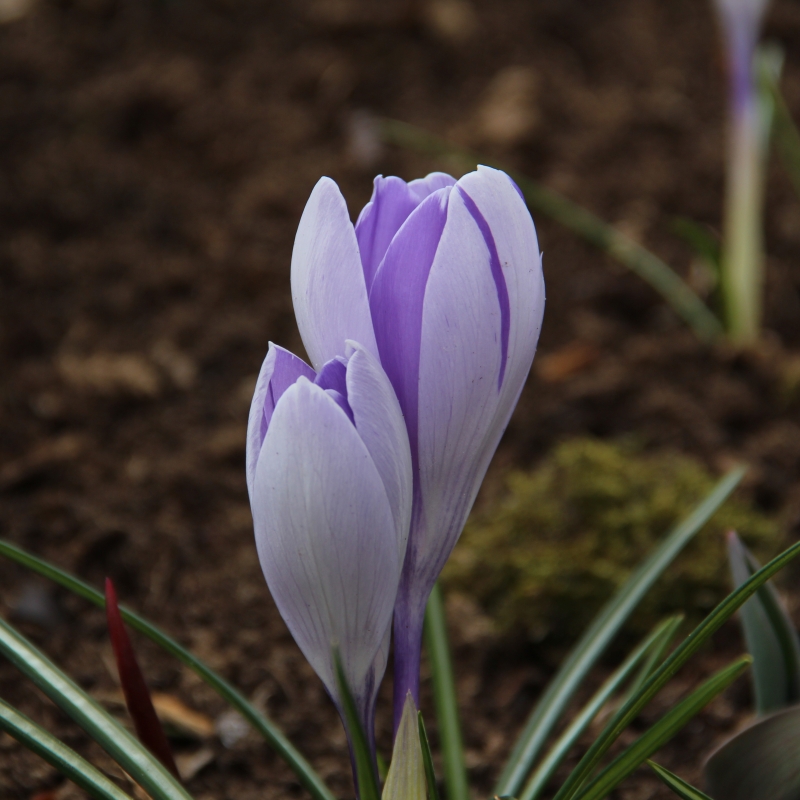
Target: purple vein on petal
[499, 279]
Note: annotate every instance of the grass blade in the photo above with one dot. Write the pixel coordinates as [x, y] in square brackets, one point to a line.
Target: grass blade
[655, 738]
[605, 626]
[684, 790]
[651, 644]
[365, 768]
[770, 636]
[444, 695]
[427, 757]
[282, 746]
[693, 642]
[58, 755]
[137, 695]
[655, 655]
[124, 748]
[639, 260]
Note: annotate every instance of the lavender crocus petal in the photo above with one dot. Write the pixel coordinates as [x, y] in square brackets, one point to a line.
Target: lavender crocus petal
[464, 408]
[380, 424]
[497, 198]
[432, 182]
[741, 20]
[328, 289]
[392, 202]
[333, 375]
[279, 371]
[326, 537]
[396, 301]
[341, 401]
[379, 221]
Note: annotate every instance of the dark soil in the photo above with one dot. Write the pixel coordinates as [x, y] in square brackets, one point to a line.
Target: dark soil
[155, 156]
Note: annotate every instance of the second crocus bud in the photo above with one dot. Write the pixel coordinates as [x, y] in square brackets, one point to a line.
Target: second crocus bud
[329, 478]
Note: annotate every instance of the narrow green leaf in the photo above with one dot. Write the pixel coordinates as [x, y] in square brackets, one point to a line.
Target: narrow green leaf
[579, 220]
[282, 746]
[406, 778]
[770, 636]
[655, 655]
[760, 762]
[559, 750]
[605, 626]
[444, 696]
[124, 748]
[655, 738]
[430, 773]
[58, 755]
[366, 778]
[678, 785]
[662, 675]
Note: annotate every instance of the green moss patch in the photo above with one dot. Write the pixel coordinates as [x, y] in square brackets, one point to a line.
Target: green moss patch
[545, 558]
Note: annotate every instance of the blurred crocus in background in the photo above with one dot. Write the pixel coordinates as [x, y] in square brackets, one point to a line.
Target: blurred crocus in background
[742, 256]
[329, 478]
[441, 280]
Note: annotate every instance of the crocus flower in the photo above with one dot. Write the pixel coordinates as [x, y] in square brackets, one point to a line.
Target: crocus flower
[442, 280]
[329, 478]
[742, 256]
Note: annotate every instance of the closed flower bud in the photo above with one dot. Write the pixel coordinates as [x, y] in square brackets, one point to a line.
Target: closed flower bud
[329, 478]
[442, 280]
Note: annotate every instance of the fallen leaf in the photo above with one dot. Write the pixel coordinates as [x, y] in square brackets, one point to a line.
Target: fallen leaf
[189, 764]
[173, 712]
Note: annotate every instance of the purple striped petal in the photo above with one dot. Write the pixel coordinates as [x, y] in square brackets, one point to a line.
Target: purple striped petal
[482, 313]
[328, 289]
[279, 371]
[477, 326]
[497, 276]
[396, 301]
[326, 537]
[392, 202]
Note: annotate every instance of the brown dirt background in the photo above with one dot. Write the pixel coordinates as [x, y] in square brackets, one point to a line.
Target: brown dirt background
[155, 156]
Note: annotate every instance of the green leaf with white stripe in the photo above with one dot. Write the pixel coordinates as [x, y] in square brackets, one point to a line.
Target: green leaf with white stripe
[305, 773]
[770, 635]
[655, 738]
[57, 754]
[684, 790]
[605, 627]
[654, 642]
[124, 748]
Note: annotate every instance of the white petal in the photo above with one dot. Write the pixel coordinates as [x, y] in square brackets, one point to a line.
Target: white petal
[379, 422]
[325, 534]
[328, 288]
[503, 208]
[279, 370]
[460, 362]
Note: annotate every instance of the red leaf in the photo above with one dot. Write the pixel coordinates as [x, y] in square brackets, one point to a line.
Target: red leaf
[137, 695]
